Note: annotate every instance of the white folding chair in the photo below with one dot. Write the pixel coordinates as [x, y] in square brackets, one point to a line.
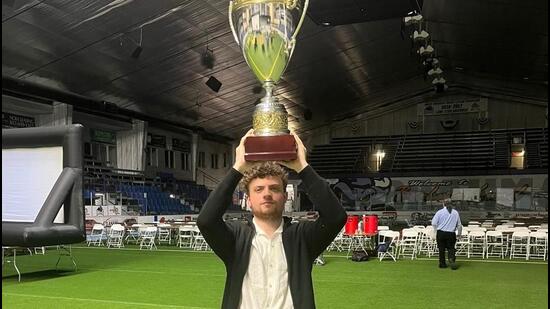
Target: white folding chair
[503, 227]
[520, 244]
[382, 228]
[200, 243]
[408, 245]
[476, 243]
[461, 245]
[495, 244]
[116, 235]
[357, 243]
[133, 233]
[164, 233]
[428, 243]
[40, 250]
[148, 238]
[538, 245]
[338, 243]
[96, 235]
[185, 236]
[390, 241]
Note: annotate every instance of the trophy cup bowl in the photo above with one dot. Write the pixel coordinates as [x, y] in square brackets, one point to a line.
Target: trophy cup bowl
[266, 31]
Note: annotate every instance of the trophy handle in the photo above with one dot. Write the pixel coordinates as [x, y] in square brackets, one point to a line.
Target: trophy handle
[231, 22]
[292, 41]
[291, 45]
[306, 3]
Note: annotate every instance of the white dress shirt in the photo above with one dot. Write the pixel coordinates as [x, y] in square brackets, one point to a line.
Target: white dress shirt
[446, 221]
[265, 283]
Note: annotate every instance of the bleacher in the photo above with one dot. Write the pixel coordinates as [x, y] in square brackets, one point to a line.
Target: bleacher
[479, 150]
[348, 154]
[154, 201]
[135, 190]
[192, 191]
[444, 151]
[104, 178]
[536, 147]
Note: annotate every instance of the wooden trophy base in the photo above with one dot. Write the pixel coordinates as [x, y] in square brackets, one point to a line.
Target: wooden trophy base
[270, 148]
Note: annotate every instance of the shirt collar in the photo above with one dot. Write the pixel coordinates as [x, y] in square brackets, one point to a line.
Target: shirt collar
[259, 231]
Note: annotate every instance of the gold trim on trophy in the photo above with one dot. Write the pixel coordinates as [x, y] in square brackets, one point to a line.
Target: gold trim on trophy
[270, 123]
[291, 4]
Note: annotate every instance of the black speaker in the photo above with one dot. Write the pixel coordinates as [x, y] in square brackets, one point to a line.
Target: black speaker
[214, 84]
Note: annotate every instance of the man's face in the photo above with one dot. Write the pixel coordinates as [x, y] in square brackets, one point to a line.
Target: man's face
[266, 197]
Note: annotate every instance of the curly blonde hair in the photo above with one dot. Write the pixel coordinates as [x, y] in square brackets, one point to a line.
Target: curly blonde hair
[264, 170]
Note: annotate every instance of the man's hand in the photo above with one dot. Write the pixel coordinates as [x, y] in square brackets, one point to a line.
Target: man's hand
[241, 164]
[300, 162]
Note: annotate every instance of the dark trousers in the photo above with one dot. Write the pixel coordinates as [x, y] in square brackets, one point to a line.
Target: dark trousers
[446, 240]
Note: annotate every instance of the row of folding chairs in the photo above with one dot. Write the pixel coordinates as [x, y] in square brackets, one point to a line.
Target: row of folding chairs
[408, 243]
[344, 242]
[148, 236]
[510, 242]
[417, 240]
[516, 242]
[505, 241]
[117, 234]
[137, 231]
[189, 236]
[506, 224]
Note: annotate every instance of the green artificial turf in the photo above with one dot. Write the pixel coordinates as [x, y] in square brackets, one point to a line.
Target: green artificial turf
[129, 278]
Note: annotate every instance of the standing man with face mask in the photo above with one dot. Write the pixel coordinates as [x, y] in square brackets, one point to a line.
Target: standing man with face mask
[269, 260]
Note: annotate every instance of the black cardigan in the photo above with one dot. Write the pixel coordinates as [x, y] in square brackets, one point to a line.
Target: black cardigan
[303, 242]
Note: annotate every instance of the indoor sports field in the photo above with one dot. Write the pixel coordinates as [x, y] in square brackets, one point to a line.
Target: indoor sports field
[130, 278]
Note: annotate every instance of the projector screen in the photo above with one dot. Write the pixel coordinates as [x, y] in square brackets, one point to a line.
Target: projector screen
[28, 176]
[42, 186]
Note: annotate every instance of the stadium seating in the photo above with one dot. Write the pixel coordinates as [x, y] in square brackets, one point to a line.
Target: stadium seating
[479, 150]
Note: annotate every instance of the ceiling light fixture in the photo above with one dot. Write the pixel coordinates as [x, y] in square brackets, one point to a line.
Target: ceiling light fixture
[439, 80]
[431, 63]
[435, 72]
[421, 36]
[412, 20]
[424, 51]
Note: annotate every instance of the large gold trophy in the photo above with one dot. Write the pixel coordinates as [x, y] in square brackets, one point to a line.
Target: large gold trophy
[266, 31]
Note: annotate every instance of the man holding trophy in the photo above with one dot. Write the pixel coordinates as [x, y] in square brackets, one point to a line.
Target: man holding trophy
[269, 260]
